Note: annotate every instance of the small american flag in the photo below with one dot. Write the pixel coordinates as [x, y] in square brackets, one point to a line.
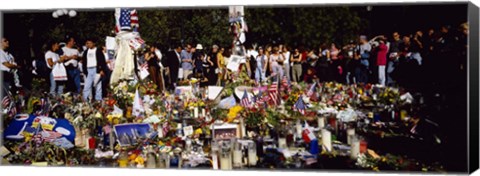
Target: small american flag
[6, 102]
[273, 92]
[245, 102]
[312, 90]
[144, 66]
[299, 106]
[50, 136]
[168, 106]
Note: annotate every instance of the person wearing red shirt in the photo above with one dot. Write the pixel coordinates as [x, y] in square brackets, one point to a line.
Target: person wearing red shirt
[382, 60]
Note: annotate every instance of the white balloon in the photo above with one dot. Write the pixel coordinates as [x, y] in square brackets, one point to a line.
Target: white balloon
[59, 12]
[72, 13]
[65, 11]
[55, 15]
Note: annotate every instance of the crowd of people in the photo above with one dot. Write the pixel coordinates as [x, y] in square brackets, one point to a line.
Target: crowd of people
[403, 59]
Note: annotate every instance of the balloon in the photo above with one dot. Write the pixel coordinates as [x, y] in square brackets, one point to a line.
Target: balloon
[60, 12]
[55, 15]
[72, 13]
[65, 11]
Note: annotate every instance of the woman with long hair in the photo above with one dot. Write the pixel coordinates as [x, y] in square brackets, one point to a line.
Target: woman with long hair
[52, 58]
[296, 60]
[261, 66]
[335, 67]
[154, 68]
[276, 64]
[222, 67]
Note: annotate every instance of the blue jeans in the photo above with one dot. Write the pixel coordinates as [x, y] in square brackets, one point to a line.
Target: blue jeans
[87, 90]
[53, 86]
[74, 74]
[259, 74]
[278, 70]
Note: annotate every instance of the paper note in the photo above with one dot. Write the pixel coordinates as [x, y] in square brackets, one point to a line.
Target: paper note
[4, 151]
[188, 130]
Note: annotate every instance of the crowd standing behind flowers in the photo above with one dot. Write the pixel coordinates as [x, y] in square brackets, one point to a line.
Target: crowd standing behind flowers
[286, 94]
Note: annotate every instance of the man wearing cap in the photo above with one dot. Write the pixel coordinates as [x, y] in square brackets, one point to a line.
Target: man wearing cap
[187, 61]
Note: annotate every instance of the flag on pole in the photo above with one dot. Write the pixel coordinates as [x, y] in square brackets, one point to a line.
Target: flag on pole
[245, 102]
[126, 19]
[300, 106]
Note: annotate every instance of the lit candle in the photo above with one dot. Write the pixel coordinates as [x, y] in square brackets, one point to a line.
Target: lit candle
[350, 134]
[327, 139]
[355, 149]
[195, 112]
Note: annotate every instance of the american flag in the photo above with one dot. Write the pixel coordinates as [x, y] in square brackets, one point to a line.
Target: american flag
[168, 106]
[299, 106]
[245, 102]
[50, 136]
[144, 66]
[312, 90]
[273, 92]
[126, 19]
[285, 84]
[6, 102]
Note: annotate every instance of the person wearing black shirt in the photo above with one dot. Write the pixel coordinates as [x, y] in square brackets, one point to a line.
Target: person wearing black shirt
[154, 68]
[212, 60]
[172, 64]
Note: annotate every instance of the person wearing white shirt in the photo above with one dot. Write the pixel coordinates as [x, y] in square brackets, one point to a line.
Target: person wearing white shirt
[7, 66]
[71, 65]
[286, 62]
[95, 68]
[52, 58]
[276, 64]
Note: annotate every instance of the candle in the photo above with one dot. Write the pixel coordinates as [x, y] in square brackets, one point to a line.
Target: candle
[203, 112]
[237, 156]
[111, 139]
[195, 112]
[327, 139]
[321, 122]
[282, 142]
[363, 146]
[214, 150]
[252, 154]
[355, 149]
[350, 134]
[225, 156]
[298, 126]
[151, 164]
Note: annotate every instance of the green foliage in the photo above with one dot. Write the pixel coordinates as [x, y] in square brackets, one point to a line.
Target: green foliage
[310, 26]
